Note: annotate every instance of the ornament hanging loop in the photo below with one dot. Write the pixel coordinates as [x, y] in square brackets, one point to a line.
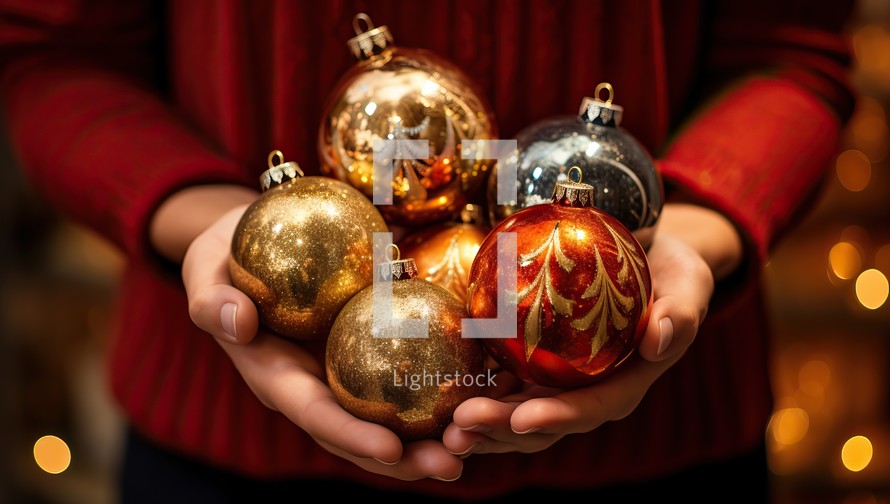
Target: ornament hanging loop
[392, 253]
[576, 170]
[286, 167]
[609, 89]
[573, 192]
[278, 172]
[594, 110]
[370, 41]
[356, 23]
[396, 268]
[272, 155]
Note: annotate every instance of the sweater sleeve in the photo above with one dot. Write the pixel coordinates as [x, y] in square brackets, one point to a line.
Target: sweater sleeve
[86, 117]
[759, 149]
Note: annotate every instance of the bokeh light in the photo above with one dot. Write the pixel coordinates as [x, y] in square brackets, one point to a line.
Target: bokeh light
[52, 454]
[872, 289]
[845, 260]
[856, 453]
[789, 425]
[853, 170]
[869, 46]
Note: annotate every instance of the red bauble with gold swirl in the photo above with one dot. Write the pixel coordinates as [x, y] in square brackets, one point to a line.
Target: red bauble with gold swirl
[583, 291]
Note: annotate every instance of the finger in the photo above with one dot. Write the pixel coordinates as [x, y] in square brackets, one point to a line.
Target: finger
[500, 438]
[478, 416]
[214, 304]
[331, 424]
[482, 425]
[584, 409]
[475, 421]
[431, 459]
[423, 459]
[460, 442]
[672, 327]
[317, 411]
[287, 378]
[682, 289]
[482, 415]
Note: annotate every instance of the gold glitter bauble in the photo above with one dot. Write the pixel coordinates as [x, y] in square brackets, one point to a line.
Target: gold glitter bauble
[396, 93]
[303, 249]
[409, 385]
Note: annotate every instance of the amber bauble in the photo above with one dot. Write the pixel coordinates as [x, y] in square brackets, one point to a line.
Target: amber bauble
[583, 291]
[398, 93]
[409, 385]
[303, 249]
[444, 251]
[627, 183]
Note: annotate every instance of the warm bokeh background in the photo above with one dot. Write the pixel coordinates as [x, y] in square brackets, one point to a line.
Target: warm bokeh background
[829, 439]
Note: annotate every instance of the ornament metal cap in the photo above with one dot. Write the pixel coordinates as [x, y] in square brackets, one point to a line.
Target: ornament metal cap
[278, 174]
[604, 113]
[573, 193]
[396, 268]
[371, 42]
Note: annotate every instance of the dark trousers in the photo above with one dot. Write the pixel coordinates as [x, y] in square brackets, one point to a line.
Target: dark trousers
[152, 475]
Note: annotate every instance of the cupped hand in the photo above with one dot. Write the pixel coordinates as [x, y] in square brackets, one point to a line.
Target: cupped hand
[286, 376]
[530, 418]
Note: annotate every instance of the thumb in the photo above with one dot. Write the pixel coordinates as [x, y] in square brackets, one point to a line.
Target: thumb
[682, 288]
[215, 305]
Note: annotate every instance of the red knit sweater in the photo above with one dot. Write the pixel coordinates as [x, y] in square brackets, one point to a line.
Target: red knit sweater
[112, 106]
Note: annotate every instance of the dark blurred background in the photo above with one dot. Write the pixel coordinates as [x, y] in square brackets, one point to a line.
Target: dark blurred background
[828, 440]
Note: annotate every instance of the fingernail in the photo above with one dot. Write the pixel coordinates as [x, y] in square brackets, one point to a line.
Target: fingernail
[385, 462]
[530, 431]
[227, 317]
[666, 329]
[467, 452]
[446, 480]
[478, 428]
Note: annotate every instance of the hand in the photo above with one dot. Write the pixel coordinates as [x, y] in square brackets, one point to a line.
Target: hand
[287, 377]
[692, 247]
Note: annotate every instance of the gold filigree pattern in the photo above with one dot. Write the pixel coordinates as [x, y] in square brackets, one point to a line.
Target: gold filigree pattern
[628, 257]
[449, 272]
[611, 303]
[542, 283]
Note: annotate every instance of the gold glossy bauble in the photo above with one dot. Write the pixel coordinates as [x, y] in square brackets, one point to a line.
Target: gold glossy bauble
[397, 93]
[303, 249]
[444, 251]
[409, 385]
[584, 291]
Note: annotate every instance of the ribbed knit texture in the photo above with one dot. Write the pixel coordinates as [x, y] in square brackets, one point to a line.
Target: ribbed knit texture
[246, 77]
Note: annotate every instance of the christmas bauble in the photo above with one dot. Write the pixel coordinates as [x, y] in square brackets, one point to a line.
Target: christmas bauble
[398, 93]
[444, 251]
[628, 185]
[583, 290]
[410, 385]
[303, 249]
